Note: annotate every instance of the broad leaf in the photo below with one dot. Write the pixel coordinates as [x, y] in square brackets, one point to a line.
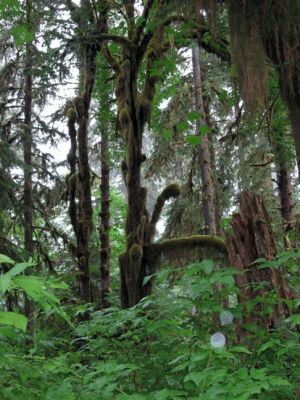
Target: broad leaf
[14, 319]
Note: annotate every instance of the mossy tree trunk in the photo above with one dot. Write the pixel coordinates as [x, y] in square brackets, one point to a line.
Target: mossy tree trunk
[261, 30]
[89, 25]
[104, 220]
[142, 48]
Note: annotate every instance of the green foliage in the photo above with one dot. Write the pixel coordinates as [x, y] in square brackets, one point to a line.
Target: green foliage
[37, 288]
[161, 349]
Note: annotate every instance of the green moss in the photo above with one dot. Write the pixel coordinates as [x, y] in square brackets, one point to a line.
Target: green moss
[79, 106]
[172, 190]
[135, 252]
[124, 118]
[205, 246]
[141, 230]
[120, 85]
[71, 113]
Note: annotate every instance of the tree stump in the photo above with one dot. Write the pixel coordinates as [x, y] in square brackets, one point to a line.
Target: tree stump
[253, 238]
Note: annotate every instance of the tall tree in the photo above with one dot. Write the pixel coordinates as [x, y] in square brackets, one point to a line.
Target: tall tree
[27, 153]
[81, 214]
[204, 153]
[141, 51]
[106, 123]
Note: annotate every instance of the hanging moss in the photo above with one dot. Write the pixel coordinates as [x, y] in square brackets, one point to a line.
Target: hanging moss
[120, 84]
[145, 109]
[248, 54]
[124, 118]
[135, 252]
[141, 230]
[71, 114]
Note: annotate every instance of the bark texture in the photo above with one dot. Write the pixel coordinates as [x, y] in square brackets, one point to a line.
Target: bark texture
[253, 238]
[204, 153]
[89, 25]
[104, 221]
[285, 195]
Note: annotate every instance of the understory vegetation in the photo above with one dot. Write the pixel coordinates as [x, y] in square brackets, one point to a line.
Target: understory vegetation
[166, 347]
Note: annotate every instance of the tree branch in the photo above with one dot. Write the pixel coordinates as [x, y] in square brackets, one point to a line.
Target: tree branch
[111, 59]
[144, 17]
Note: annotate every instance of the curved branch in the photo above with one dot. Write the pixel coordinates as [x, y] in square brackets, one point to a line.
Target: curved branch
[111, 59]
[170, 191]
[122, 41]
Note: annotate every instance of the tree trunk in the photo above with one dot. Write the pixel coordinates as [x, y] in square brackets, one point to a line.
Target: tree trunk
[85, 208]
[285, 194]
[141, 49]
[253, 238]
[104, 221]
[204, 155]
[215, 173]
[27, 153]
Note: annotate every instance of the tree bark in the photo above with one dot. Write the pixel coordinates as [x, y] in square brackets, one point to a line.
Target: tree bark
[27, 154]
[204, 155]
[215, 173]
[104, 221]
[81, 214]
[253, 238]
[285, 194]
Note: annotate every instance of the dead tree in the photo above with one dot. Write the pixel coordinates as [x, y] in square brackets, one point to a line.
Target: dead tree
[252, 239]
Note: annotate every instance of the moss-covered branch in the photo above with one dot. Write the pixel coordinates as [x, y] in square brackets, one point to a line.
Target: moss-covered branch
[171, 191]
[203, 246]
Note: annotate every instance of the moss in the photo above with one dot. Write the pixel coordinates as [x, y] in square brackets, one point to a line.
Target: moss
[206, 246]
[130, 153]
[120, 85]
[71, 113]
[141, 230]
[145, 104]
[135, 252]
[79, 106]
[149, 233]
[124, 118]
[172, 190]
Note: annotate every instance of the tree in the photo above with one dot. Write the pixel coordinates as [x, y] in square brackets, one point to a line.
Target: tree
[27, 152]
[204, 154]
[78, 113]
[141, 52]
